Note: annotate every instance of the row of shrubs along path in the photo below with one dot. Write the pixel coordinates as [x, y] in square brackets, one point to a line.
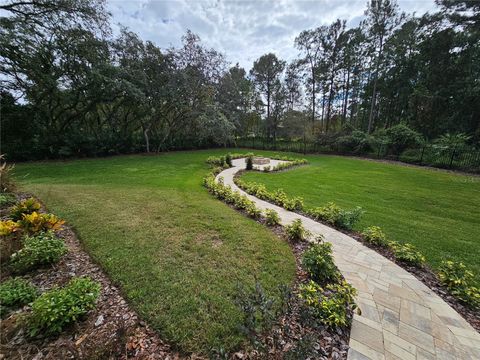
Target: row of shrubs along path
[400, 317]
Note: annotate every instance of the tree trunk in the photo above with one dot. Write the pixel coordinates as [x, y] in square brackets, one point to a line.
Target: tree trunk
[347, 89]
[374, 95]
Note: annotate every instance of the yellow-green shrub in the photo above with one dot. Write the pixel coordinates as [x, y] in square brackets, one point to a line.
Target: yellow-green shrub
[460, 282]
[375, 235]
[37, 222]
[26, 206]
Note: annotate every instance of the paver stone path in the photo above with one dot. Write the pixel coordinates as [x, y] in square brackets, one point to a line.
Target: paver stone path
[401, 318]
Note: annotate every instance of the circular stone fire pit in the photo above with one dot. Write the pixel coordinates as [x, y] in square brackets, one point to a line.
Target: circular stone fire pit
[260, 161]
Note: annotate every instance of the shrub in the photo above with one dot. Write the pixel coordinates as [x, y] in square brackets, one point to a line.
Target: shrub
[334, 215]
[401, 137]
[459, 282]
[271, 217]
[330, 306]
[36, 222]
[57, 308]
[8, 227]
[228, 160]
[215, 161]
[15, 293]
[348, 218]
[249, 162]
[407, 253]
[266, 168]
[39, 250]
[6, 183]
[6, 199]
[252, 210]
[375, 235]
[26, 206]
[318, 262]
[296, 232]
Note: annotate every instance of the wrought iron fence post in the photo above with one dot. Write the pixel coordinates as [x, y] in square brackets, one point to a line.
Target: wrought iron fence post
[421, 155]
[451, 158]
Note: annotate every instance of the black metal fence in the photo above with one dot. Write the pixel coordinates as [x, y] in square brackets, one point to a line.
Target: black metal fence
[464, 158]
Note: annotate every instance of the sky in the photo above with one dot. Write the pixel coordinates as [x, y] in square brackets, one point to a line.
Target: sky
[243, 30]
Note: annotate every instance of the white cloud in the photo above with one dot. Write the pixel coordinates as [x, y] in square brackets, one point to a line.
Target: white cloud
[243, 30]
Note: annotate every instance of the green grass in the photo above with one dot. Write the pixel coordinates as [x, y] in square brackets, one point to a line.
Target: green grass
[177, 253]
[437, 211]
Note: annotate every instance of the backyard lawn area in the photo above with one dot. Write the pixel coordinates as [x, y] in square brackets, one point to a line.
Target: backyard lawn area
[177, 253]
[437, 211]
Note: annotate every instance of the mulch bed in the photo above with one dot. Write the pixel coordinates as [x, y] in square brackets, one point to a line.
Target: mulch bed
[111, 331]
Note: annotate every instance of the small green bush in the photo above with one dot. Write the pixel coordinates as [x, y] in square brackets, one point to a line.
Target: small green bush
[26, 206]
[15, 293]
[332, 214]
[6, 199]
[296, 232]
[271, 217]
[459, 281]
[330, 306]
[57, 308]
[39, 250]
[375, 235]
[319, 264]
[252, 210]
[228, 160]
[407, 253]
[249, 162]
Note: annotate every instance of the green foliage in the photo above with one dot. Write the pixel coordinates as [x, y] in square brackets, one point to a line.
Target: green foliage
[37, 222]
[14, 293]
[459, 281]
[228, 159]
[289, 164]
[334, 215]
[252, 210]
[356, 142]
[216, 161]
[6, 199]
[39, 250]
[330, 306]
[296, 232]
[401, 136]
[319, 264]
[57, 308]
[249, 162]
[6, 183]
[271, 217]
[451, 141]
[24, 207]
[375, 235]
[407, 253]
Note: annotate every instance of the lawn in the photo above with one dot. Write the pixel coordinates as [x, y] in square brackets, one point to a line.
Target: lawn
[177, 253]
[437, 211]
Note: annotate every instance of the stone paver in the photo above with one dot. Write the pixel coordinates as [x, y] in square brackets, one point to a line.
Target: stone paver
[401, 318]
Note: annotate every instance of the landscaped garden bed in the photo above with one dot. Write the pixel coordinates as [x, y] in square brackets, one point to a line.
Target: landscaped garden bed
[454, 282]
[39, 297]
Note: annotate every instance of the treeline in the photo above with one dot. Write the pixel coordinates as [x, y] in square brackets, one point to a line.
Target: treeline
[71, 88]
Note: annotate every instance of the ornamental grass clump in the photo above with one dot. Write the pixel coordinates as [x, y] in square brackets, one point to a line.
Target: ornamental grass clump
[39, 250]
[57, 308]
[296, 231]
[459, 281]
[15, 293]
[374, 235]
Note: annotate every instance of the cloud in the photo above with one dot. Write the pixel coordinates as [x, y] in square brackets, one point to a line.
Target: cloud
[243, 30]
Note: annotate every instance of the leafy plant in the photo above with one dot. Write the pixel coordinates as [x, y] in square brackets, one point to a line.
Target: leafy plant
[266, 168]
[26, 206]
[57, 308]
[6, 199]
[330, 306]
[39, 250]
[37, 222]
[271, 217]
[249, 162]
[319, 264]
[14, 293]
[459, 281]
[375, 235]
[252, 210]
[8, 227]
[296, 232]
[348, 218]
[407, 254]
[228, 159]
[332, 214]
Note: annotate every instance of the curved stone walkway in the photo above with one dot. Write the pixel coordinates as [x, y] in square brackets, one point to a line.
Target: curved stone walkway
[401, 318]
